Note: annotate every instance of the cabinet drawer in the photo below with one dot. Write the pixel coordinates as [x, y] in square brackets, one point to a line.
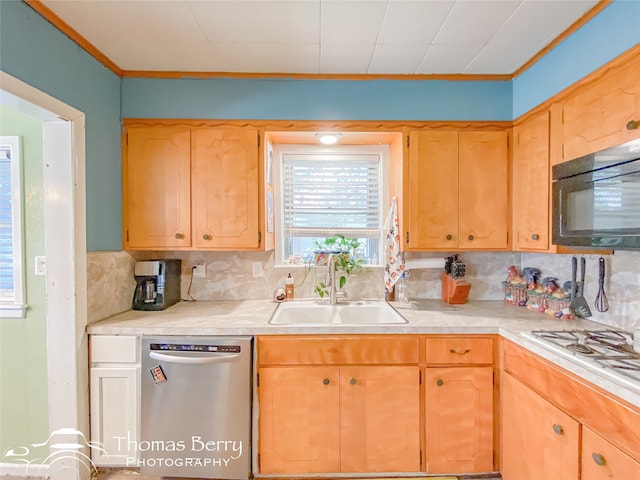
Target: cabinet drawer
[332, 350]
[459, 350]
[114, 349]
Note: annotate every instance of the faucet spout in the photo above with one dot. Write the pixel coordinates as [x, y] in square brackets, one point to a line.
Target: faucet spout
[331, 281]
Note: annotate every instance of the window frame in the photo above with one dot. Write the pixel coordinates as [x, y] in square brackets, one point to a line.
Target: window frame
[16, 306]
[279, 150]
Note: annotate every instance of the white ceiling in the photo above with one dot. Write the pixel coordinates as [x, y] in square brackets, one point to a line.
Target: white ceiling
[321, 36]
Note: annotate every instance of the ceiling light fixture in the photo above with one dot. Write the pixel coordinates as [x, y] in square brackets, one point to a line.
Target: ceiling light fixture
[328, 138]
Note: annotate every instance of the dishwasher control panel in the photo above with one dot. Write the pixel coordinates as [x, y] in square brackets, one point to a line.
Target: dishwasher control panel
[181, 347]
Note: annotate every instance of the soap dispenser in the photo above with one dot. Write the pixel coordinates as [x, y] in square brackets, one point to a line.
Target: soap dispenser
[289, 287]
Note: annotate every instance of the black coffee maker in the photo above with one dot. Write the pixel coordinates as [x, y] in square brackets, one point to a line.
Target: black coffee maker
[157, 284]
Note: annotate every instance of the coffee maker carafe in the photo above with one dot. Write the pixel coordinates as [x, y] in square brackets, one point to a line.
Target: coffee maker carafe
[157, 284]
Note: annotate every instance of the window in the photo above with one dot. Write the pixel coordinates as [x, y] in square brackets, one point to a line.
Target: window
[327, 192]
[12, 302]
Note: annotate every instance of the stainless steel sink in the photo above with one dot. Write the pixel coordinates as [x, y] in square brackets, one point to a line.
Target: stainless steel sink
[311, 312]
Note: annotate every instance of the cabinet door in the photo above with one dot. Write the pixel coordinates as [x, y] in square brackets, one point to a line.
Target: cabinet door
[114, 415]
[379, 419]
[226, 198]
[538, 439]
[432, 213]
[596, 117]
[299, 424]
[483, 190]
[459, 419]
[603, 461]
[531, 184]
[157, 187]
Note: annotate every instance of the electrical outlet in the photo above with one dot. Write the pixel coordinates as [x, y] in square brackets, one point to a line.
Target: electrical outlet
[257, 269]
[200, 270]
[40, 263]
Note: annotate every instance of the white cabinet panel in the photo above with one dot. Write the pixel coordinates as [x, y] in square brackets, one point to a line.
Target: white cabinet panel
[114, 414]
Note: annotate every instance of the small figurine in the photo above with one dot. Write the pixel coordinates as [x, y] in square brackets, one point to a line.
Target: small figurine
[531, 276]
[513, 277]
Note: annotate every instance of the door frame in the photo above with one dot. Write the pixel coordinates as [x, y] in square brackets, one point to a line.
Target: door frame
[66, 270]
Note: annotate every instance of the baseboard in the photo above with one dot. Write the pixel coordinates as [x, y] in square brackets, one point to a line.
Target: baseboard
[24, 470]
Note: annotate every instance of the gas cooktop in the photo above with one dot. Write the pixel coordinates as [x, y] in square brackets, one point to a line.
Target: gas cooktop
[609, 352]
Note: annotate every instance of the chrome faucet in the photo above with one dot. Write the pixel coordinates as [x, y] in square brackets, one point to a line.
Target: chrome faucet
[330, 281]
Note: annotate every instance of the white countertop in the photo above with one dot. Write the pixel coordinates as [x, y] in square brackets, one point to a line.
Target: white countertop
[251, 317]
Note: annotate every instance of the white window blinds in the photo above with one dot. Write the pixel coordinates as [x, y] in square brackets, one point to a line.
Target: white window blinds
[328, 194]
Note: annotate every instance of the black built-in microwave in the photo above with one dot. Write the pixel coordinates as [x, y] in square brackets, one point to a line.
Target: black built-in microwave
[596, 199]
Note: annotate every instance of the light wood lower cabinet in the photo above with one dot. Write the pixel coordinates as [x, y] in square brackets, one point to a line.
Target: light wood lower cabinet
[555, 425]
[316, 419]
[339, 404]
[458, 394]
[299, 419]
[539, 441]
[459, 419]
[601, 460]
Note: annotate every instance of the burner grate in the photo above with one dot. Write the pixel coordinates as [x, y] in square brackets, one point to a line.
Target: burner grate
[609, 351]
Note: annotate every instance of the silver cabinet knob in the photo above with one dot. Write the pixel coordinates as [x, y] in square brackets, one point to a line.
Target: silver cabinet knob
[326, 381]
[557, 429]
[599, 459]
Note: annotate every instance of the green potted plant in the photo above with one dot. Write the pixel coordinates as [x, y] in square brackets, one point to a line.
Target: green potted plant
[347, 262]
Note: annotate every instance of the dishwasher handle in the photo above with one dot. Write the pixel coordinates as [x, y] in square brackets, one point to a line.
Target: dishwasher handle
[211, 358]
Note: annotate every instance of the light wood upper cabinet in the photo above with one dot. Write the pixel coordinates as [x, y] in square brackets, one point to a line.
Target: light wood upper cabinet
[538, 439]
[157, 187]
[483, 186]
[597, 115]
[603, 461]
[530, 184]
[225, 188]
[432, 196]
[457, 191]
[192, 188]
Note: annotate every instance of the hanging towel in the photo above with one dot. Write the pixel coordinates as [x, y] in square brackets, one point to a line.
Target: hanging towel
[394, 264]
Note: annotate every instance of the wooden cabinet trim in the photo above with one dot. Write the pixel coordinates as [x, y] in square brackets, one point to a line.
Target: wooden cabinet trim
[337, 350]
[614, 419]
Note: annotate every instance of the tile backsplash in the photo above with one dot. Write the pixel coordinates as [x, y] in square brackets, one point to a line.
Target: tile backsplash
[230, 277]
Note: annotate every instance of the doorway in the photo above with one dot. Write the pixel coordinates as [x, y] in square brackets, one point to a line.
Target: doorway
[65, 248]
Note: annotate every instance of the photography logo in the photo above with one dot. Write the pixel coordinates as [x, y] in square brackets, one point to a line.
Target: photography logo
[65, 446]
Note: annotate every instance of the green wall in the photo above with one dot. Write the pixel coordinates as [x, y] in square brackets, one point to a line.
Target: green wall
[24, 415]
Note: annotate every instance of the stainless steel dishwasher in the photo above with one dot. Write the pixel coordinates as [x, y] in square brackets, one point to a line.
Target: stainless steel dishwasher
[196, 407]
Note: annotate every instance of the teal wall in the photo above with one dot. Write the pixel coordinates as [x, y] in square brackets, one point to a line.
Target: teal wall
[37, 53]
[23, 342]
[612, 32]
[34, 51]
[288, 99]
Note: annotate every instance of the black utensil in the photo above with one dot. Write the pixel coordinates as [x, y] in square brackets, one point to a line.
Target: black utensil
[580, 305]
[602, 303]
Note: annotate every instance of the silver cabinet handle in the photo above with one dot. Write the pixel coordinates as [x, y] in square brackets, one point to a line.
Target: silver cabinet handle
[557, 429]
[210, 358]
[326, 381]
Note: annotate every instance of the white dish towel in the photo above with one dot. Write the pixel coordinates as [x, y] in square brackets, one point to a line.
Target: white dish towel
[394, 263]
